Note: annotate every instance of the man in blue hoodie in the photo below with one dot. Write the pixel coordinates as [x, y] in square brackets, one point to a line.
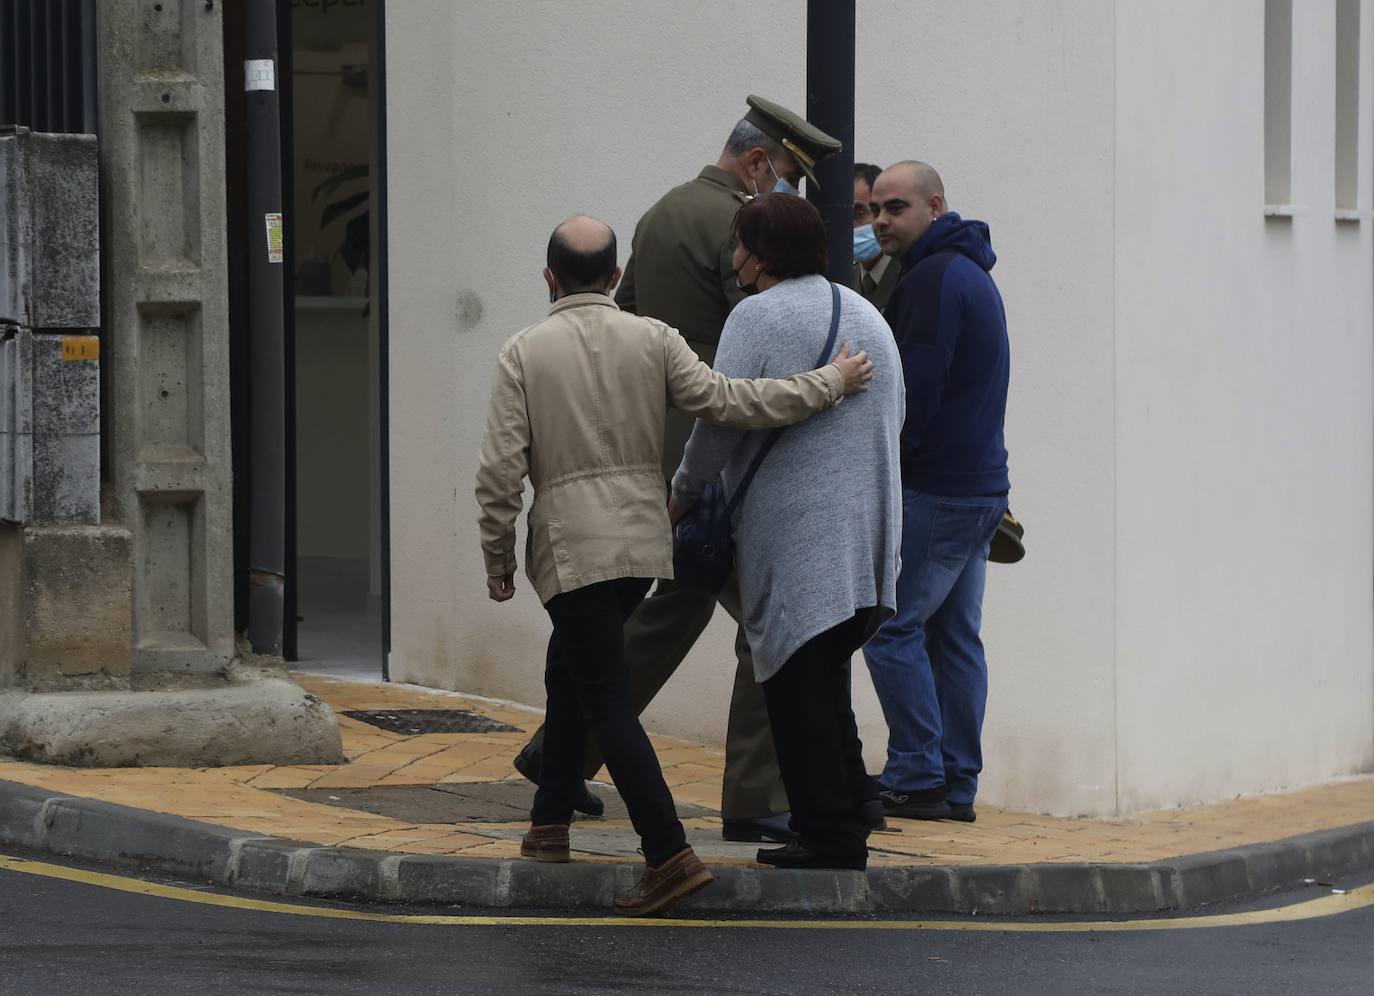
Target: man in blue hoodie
[927, 663]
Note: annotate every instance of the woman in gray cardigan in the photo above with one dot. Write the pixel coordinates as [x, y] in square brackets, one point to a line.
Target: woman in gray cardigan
[818, 534]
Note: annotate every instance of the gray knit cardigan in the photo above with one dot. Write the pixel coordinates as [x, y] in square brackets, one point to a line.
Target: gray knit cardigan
[819, 533]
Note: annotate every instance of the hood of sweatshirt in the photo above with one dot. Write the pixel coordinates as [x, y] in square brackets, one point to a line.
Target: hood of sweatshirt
[950, 233]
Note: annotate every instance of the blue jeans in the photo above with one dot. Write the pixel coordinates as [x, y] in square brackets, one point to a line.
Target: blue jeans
[927, 662]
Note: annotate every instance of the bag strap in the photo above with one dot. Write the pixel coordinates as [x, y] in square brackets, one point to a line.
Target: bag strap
[827, 352]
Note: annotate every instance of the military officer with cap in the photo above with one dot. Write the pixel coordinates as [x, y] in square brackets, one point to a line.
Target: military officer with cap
[680, 271]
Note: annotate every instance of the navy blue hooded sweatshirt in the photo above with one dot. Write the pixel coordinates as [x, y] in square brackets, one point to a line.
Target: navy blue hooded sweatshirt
[951, 331]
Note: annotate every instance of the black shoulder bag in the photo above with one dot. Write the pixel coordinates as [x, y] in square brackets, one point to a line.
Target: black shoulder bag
[704, 540]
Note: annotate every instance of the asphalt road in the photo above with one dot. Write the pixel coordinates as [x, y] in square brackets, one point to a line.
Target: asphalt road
[60, 937]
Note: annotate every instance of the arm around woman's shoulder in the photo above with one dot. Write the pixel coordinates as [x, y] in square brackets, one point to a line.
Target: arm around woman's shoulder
[710, 446]
[730, 394]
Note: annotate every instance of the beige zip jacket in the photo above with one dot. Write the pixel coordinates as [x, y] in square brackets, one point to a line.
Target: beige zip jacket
[578, 407]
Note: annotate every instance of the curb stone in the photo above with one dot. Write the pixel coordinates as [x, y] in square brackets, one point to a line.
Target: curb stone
[59, 824]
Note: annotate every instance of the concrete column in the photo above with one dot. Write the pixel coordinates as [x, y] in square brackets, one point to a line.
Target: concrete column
[162, 168]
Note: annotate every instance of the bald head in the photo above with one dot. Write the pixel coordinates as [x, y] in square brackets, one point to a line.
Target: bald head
[583, 233]
[921, 175]
[581, 257]
[907, 197]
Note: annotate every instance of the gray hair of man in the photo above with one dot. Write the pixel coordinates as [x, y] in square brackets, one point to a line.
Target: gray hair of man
[746, 136]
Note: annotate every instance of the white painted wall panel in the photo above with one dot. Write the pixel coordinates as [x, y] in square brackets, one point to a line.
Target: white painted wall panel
[1244, 420]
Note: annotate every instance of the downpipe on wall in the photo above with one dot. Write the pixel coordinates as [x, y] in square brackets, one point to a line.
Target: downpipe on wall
[830, 107]
[266, 332]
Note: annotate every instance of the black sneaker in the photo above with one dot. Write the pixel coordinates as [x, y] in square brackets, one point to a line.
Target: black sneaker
[962, 811]
[929, 804]
[527, 763]
[794, 855]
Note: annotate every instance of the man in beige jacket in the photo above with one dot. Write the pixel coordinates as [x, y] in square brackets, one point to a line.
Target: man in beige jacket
[578, 407]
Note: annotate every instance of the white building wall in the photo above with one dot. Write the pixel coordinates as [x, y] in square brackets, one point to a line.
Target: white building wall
[1012, 103]
[1244, 422]
[504, 119]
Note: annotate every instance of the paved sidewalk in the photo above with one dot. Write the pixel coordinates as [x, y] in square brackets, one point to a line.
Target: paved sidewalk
[403, 785]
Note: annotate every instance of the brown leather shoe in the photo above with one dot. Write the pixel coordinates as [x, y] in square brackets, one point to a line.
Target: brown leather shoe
[679, 876]
[546, 843]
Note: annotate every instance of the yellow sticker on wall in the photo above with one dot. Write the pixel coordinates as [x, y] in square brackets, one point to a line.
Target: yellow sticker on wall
[80, 347]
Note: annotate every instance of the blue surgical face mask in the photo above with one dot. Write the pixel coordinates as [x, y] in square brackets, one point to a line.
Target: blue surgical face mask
[866, 245]
[782, 186]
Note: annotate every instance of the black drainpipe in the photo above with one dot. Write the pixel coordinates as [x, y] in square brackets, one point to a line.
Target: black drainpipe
[830, 107]
[267, 348]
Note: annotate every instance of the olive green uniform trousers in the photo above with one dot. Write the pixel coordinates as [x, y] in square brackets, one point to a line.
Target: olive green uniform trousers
[658, 637]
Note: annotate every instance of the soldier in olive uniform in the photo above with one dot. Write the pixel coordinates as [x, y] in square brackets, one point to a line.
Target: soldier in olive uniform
[680, 271]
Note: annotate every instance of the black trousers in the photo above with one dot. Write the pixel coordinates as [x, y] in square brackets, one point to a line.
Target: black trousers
[818, 744]
[588, 692]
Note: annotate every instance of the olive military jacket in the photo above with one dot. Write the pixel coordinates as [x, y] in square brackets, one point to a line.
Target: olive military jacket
[681, 271]
[883, 292]
[578, 407]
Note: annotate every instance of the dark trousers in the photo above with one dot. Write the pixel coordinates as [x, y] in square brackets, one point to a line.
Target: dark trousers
[818, 743]
[658, 637]
[588, 692]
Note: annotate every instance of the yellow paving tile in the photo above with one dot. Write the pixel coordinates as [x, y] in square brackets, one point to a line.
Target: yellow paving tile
[293, 777]
[354, 776]
[435, 846]
[671, 755]
[703, 793]
[494, 767]
[237, 773]
[406, 837]
[686, 774]
[488, 848]
[433, 768]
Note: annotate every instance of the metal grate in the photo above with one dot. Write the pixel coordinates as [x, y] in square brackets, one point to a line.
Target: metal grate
[48, 65]
[414, 722]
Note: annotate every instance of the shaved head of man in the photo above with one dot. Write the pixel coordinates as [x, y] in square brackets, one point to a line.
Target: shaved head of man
[907, 197]
[581, 258]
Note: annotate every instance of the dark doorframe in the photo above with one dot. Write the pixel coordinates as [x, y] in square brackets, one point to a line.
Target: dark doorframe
[381, 303]
[235, 209]
[286, 92]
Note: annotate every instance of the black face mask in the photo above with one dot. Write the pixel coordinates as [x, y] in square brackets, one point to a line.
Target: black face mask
[752, 287]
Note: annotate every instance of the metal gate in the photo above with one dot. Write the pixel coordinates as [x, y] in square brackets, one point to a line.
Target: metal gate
[48, 65]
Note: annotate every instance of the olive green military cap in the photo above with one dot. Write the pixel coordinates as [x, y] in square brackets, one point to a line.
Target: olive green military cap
[807, 143]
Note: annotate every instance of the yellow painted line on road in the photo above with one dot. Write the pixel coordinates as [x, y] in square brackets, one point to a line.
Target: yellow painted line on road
[1310, 909]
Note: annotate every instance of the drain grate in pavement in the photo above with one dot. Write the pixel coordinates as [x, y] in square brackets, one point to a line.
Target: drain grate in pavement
[413, 722]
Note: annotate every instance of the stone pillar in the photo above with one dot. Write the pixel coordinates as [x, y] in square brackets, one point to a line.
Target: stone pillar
[116, 624]
[162, 171]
